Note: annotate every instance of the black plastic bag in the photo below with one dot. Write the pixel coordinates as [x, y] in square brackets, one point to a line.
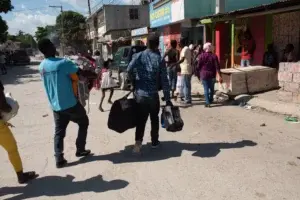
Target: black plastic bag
[122, 115]
[171, 118]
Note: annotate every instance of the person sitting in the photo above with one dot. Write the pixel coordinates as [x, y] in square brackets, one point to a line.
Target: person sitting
[288, 54]
[270, 57]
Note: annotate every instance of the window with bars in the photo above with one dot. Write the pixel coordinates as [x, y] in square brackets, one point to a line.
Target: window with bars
[133, 13]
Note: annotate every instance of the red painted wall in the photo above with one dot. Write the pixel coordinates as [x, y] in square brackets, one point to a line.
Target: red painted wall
[222, 42]
[257, 27]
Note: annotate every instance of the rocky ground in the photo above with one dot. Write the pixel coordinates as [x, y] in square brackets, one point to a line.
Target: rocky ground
[226, 153]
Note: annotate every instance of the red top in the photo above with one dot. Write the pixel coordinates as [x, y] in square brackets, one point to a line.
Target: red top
[247, 49]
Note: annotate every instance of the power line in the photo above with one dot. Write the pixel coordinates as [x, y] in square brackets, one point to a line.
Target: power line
[28, 9]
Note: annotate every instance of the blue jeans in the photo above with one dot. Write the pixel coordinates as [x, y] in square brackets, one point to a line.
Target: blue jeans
[172, 76]
[245, 63]
[209, 90]
[187, 87]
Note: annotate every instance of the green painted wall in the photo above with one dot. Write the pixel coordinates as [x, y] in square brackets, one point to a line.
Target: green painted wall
[231, 5]
[268, 36]
[199, 8]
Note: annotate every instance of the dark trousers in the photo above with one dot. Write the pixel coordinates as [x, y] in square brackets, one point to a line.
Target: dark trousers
[209, 90]
[3, 68]
[147, 106]
[76, 114]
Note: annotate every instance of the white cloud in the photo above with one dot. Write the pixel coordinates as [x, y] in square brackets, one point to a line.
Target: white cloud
[80, 5]
[28, 22]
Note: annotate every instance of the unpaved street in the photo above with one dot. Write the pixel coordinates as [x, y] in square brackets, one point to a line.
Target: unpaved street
[223, 153]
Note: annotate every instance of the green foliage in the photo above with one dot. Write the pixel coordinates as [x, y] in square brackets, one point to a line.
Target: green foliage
[26, 40]
[3, 30]
[41, 33]
[5, 6]
[72, 33]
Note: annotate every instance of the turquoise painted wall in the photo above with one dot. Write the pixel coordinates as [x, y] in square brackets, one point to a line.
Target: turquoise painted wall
[199, 8]
[231, 5]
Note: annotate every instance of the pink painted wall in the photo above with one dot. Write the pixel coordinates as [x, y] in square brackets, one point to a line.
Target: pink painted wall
[257, 26]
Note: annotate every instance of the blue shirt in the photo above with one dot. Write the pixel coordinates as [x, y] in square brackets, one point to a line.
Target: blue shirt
[55, 74]
[148, 70]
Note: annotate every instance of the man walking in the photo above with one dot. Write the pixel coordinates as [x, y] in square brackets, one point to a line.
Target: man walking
[148, 73]
[186, 70]
[56, 75]
[3, 63]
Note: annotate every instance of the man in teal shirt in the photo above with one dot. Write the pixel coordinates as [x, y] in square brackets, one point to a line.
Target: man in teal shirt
[56, 75]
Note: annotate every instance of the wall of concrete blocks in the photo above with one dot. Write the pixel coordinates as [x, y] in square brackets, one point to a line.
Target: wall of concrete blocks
[289, 82]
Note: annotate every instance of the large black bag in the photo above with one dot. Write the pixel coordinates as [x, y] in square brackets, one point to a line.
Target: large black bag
[172, 119]
[122, 115]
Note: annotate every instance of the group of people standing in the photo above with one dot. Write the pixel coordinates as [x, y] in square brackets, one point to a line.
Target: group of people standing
[191, 60]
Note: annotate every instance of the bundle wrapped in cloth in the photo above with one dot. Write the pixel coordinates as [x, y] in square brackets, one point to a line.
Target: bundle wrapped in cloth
[14, 108]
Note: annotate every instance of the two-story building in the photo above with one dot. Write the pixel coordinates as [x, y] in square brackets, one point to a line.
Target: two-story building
[110, 26]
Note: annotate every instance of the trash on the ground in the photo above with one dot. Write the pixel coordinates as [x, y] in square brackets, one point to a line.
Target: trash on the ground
[46, 115]
[220, 97]
[242, 99]
[242, 104]
[292, 119]
[263, 124]
[261, 134]
[248, 107]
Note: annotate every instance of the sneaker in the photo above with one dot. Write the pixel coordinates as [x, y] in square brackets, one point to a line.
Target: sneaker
[61, 163]
[155, 145]
[137, 148]
[207, 106]
[83, 153]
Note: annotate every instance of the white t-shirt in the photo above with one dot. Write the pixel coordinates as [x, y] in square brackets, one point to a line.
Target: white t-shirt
[186, 66]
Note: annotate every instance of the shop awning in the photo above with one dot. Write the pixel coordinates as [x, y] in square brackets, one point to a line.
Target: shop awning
[272, 8]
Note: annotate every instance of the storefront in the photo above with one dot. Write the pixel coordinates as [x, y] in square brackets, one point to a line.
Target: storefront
[168, 18]
[277, 23]
[139, 36]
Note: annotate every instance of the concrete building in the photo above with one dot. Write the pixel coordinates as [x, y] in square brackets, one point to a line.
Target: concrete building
[110, 26]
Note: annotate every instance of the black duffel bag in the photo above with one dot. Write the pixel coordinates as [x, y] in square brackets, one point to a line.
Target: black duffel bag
[122, 115]
[172, 119]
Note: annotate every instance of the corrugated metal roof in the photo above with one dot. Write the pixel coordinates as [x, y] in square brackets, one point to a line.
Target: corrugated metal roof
[261, 8]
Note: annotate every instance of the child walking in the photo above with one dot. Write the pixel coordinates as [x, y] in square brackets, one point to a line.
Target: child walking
[107, 83]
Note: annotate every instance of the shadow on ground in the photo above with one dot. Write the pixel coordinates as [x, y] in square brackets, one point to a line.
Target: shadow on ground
[54, 186]
[17, 74]
[169, 149]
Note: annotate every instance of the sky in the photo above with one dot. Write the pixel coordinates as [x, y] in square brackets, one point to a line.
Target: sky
[29, 14]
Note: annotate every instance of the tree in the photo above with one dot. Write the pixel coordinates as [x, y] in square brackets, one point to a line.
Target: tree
[3, 30]
[41, 33]
[73, 34]
[5, 6]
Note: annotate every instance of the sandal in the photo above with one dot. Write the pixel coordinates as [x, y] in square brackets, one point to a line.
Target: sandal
[25, 177]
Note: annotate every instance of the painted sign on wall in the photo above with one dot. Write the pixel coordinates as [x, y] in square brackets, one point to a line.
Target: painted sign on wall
[139, 31]
[168, 12]
[161, 15]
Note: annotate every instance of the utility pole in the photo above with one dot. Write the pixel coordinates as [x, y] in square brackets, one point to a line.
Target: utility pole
[62, 29]
[89, 5]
